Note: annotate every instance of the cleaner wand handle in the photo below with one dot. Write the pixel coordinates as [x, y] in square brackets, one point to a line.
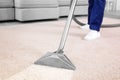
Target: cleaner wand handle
[67, 27]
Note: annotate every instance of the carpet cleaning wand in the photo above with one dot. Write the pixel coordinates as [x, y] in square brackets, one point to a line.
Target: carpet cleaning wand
[58, 58]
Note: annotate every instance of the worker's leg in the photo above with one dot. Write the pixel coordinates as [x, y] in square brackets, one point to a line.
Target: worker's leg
[96, 14]
[90, 7]
[95, 18]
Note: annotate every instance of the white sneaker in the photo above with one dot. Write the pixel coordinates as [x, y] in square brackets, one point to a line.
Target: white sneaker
[92, 35]
[85, 27]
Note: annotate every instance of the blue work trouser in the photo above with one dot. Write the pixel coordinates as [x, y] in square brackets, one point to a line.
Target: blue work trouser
[96, 13]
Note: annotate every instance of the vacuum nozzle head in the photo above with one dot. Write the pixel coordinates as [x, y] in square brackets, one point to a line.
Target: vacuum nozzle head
[54, 59]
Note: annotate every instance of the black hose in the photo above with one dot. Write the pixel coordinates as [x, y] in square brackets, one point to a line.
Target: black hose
[103, 25]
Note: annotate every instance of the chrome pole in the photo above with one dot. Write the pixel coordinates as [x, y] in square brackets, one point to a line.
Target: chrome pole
[67, 27]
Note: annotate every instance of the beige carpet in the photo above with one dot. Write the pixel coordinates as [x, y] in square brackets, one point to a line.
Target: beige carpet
[23, 43]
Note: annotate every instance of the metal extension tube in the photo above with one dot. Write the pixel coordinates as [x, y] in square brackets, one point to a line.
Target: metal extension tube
[67, 27]
[58, 59]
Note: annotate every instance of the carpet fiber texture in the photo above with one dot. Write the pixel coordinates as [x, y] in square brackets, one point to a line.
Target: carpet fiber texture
[21, 44]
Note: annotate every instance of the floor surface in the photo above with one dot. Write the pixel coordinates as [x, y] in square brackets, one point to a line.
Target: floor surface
[21, 44]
